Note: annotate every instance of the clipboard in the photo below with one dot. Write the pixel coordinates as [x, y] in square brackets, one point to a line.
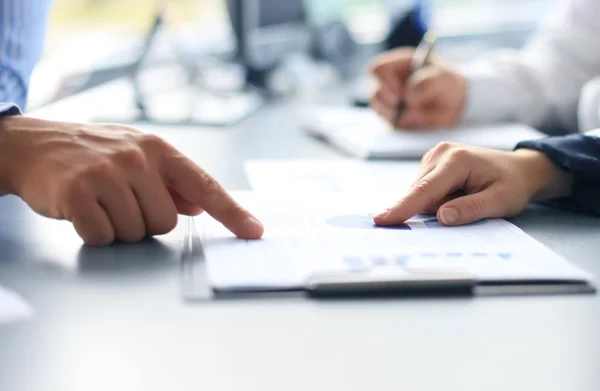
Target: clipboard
[327, 246]
[195, 284]
[434, 283]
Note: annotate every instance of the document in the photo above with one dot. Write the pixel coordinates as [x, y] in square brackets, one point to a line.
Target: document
[335, 233]
[13, 307]
[362, 133]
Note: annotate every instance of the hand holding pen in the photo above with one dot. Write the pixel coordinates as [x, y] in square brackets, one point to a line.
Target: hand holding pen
[416, 90]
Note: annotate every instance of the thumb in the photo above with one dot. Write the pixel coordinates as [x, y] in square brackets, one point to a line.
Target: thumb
[474, 207]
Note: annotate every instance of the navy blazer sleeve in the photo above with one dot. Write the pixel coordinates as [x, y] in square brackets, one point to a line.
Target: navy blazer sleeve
[578, 154]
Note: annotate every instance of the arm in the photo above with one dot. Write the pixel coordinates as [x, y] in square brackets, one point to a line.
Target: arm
[22, 30]
[541, 84]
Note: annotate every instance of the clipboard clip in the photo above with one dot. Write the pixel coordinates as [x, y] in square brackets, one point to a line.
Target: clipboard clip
[409, 283]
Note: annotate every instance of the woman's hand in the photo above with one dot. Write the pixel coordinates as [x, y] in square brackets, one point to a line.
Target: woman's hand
[464, 184]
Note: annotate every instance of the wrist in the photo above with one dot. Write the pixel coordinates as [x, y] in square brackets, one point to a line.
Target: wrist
[6, 158]
[544, 178]
[18, 136]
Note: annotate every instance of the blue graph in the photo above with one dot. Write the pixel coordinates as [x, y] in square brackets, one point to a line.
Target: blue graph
[360, 222]
[432, 223]
[435, 223]
[360, 264]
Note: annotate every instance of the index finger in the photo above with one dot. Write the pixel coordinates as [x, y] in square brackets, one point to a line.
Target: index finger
[198, 187]
[429, 190]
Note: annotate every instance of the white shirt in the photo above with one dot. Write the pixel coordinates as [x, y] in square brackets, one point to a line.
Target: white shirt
[551, 82]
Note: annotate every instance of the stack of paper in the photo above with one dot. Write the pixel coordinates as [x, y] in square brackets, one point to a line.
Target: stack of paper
[361, 133]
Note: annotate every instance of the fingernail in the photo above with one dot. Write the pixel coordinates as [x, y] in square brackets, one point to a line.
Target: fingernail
[448, 216]
[382, 215]
[253, 227]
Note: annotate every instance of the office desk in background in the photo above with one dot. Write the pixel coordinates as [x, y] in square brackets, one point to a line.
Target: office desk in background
[113, 319]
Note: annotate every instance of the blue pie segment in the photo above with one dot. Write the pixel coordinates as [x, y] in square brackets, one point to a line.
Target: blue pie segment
[432, 223]
[355, 264]
[379, 261]
[360, 222]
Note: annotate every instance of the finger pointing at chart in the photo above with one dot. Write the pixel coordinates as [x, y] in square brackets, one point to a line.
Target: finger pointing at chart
[465, 184]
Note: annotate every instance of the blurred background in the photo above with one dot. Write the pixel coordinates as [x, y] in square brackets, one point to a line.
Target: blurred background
[223, 47]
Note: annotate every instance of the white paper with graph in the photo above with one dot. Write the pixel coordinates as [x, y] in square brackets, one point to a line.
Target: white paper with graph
[333, 233]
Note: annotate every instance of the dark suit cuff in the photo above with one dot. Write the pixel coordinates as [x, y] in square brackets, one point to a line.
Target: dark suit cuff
[579, 155]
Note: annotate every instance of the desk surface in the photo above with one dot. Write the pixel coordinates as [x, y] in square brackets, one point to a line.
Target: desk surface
[113, 318]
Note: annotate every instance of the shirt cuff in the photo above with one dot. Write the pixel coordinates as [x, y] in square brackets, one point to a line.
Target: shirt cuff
[9, 109]
[589, 106]
[485, 98]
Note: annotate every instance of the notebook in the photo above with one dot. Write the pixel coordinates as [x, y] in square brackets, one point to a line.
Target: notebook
[360, 132]
[312, 242]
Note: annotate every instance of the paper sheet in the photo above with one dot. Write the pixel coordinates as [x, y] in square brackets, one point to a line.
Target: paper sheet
[385, 181]
[333, 233]
[361, 133]
[13, 307]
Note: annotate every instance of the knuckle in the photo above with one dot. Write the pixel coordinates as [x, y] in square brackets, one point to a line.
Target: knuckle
[119, 128]
[131, 157]
[74, 191]
[458, 155]
[153, 142]
[443, 147]
[380, 64]
[132, 235]
[164, 225]
[99, 238]
[426, 159]
[212, 193]
[211, 185]
[423, 187]
[102, 168]
[390, 59]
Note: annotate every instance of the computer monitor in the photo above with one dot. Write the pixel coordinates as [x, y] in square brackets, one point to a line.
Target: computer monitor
[267, 30]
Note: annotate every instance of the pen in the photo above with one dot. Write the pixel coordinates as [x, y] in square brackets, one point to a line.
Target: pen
[418, 61]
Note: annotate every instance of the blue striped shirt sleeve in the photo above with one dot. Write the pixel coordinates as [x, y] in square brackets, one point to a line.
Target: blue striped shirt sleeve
[7, 108]
[22, 30]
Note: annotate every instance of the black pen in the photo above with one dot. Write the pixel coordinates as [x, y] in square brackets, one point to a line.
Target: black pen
[418, 61]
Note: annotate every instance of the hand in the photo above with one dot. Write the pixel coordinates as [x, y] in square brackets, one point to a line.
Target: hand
[111, 181]
[466, 184]
[433, 96]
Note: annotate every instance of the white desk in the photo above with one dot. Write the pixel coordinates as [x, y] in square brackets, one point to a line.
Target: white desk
[113, 319]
